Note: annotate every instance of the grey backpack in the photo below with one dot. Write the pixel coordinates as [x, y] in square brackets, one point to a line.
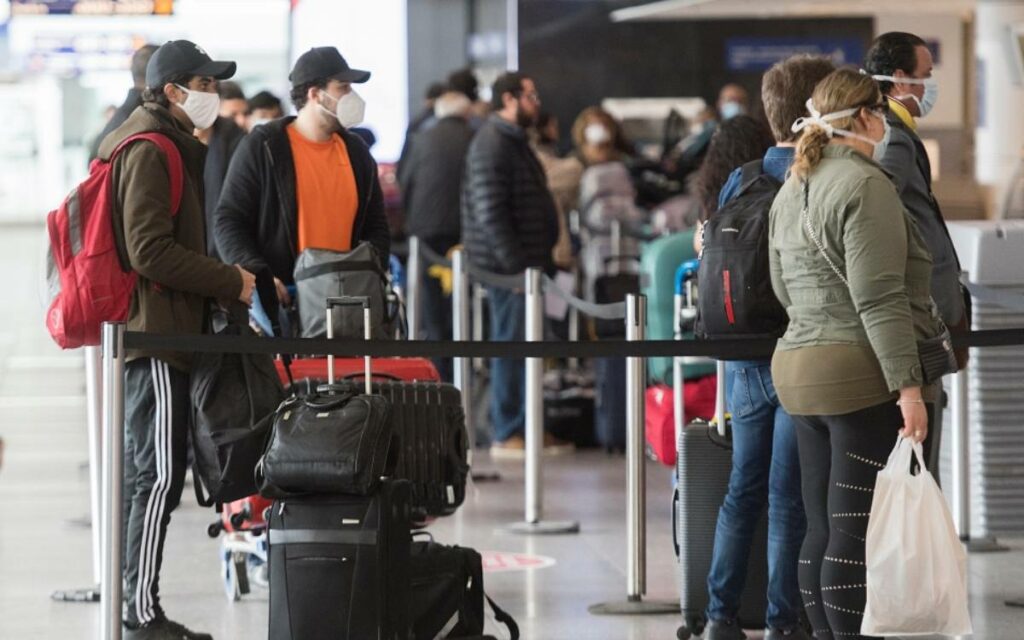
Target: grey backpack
[321, 274]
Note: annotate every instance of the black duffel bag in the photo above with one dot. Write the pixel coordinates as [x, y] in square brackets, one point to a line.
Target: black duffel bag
[446, 594]
[234, 396]
[333, 441]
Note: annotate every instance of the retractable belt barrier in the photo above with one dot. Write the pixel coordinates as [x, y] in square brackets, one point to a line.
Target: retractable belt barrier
[739, 349]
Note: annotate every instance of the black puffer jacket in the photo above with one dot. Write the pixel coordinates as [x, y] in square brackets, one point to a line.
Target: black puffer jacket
[509, 220]
[431, 179]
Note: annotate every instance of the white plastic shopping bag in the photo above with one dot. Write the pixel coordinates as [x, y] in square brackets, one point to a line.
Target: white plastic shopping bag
[916, 565]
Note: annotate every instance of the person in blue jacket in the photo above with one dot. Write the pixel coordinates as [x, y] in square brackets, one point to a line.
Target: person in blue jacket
[765, 464]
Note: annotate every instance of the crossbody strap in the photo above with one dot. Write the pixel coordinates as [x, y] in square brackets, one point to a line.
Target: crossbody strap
[805, 216]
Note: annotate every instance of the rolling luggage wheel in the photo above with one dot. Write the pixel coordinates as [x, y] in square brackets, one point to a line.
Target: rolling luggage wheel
[235, 575]
[692, 628]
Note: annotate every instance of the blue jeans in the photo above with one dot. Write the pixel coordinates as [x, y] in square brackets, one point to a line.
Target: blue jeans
[508, 376]
[765, 470]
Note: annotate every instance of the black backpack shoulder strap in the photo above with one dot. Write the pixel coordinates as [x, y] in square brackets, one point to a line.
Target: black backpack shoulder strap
[749, 174]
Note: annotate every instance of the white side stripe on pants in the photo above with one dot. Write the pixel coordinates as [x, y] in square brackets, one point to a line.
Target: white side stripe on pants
[157, 504]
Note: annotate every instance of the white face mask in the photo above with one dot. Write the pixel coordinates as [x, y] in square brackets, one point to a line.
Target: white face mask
[255, 122]
[200, 107]
[931, 92]
[350, 109]
[824, 121]
[596, 134]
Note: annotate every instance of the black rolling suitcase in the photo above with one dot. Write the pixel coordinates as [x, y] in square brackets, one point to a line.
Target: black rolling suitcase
[703, 465]
[339, 566]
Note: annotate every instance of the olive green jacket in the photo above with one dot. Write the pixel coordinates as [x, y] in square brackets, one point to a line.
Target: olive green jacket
[856, 213]
[168, 253]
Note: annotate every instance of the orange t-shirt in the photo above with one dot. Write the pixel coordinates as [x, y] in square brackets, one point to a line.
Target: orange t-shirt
[325, 189]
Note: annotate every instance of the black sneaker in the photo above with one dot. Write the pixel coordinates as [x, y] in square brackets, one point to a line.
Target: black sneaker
[723, 630]
[163, 629]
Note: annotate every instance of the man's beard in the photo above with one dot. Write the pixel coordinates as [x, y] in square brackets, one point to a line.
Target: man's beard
[524, 119]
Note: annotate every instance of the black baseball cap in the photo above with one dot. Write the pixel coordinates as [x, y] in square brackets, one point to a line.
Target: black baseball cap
[179, 57]
[325, 63]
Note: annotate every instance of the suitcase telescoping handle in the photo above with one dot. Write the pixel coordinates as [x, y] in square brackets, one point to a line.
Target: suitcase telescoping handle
[349, 301]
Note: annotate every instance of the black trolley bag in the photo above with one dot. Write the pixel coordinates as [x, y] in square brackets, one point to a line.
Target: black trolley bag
[339, 562]
[339, 566]
[703, 466]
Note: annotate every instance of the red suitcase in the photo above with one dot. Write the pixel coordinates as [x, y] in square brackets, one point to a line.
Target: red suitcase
[405, 369]
[659, 414]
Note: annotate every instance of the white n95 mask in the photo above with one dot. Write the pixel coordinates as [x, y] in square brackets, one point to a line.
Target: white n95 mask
[200, 107]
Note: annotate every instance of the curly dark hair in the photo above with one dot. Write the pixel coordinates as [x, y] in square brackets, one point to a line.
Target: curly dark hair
[157, 95]
[299, 93]
[892, 52]
[736, 142]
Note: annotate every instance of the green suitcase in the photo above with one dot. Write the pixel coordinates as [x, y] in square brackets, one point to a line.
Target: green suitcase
[658, 263]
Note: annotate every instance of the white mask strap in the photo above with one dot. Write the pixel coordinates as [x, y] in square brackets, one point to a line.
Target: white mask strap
[823, 121]
[904, 80]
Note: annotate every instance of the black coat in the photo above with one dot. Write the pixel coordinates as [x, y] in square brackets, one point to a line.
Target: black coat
[432, 179]
[509, 219]
[132, 102]
[223, 143]
[256, 223]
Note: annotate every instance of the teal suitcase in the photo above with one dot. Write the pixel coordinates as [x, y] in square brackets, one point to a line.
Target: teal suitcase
[659, 261]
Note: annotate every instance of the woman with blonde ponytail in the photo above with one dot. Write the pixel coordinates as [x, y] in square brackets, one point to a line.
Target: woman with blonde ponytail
[853, 274]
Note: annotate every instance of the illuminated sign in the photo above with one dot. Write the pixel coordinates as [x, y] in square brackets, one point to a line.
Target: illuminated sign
[759, 54]
[92, 7]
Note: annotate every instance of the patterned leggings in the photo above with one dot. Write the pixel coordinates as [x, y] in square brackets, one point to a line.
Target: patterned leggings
[839, 459]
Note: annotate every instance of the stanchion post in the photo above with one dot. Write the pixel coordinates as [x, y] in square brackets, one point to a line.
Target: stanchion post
[479, 295]
[636, 479]
[636, 487]
[460, 332]
[961, 456]
[113, 478]
[413, 285]
[720, 397]
[534, 496]
[534, 399]
[94, 424]
[94, 407]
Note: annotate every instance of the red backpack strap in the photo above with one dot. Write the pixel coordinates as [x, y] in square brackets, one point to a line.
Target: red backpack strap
[175, 166]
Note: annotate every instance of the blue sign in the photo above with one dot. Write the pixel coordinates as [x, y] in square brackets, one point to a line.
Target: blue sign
[759, 54]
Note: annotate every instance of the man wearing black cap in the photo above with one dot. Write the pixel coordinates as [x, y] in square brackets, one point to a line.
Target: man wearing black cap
[303, 181]
[165, 246]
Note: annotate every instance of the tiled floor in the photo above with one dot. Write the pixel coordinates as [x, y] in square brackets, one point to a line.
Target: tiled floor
[43, 487]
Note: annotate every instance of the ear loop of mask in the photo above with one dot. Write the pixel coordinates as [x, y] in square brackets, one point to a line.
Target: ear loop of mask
[905, 80]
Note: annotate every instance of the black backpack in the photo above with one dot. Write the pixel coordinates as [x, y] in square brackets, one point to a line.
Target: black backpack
[735, 296]
[234, 399]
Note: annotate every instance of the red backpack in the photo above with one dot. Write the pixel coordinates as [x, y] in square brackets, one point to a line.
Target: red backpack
[87, 284]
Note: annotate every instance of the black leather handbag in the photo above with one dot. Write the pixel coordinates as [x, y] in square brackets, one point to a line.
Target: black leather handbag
[330, 442]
